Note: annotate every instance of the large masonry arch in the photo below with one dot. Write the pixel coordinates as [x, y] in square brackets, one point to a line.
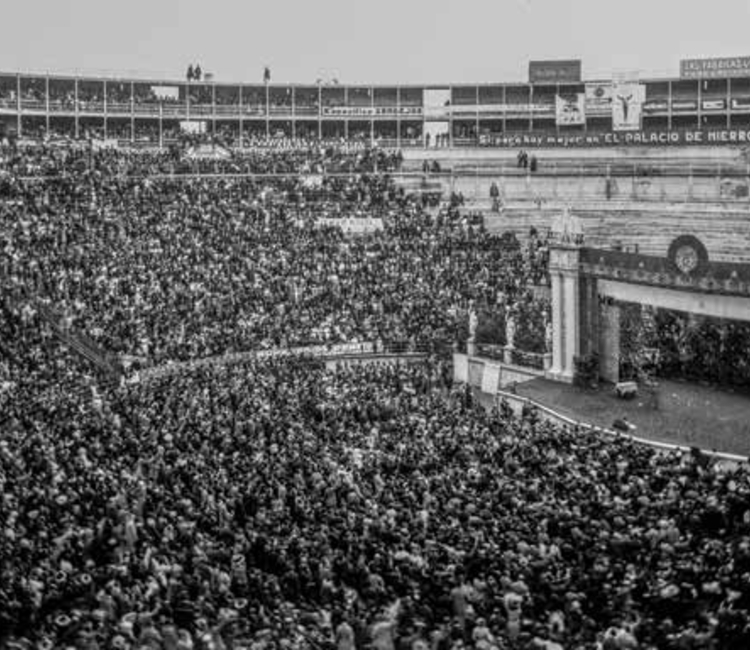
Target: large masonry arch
[589, 284]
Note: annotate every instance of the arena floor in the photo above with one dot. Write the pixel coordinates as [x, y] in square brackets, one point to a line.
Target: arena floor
[687, 414]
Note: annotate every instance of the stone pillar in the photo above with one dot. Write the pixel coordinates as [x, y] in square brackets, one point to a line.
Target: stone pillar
[572, 325]
[565, 273]
[557, 324]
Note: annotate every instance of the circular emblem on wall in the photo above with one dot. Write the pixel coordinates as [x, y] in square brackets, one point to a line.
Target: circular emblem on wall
[688, 255]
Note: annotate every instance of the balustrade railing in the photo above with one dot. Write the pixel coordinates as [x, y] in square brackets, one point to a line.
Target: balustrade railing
[201, 109]
[229, 110]
[312, 111]
[33, 105]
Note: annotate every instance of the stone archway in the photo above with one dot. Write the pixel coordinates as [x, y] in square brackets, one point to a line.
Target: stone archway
[588, 285]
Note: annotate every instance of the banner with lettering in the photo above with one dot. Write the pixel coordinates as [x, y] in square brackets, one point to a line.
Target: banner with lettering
[689, 105]
[98, 144]
[491, 110]
[570, 110]
[371, 111]
[714, 104]
[352, 225]
[316, 351]
[656, 106]
[555, 72]
[718, 68]
[193, 126]
[627, 103]
[651, 138]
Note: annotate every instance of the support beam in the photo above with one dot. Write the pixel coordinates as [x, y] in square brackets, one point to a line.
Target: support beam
[706, 304]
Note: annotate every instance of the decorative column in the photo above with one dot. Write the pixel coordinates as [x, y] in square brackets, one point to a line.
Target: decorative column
[510, 337]
[572, 316]
[566, 317]
[558, 340]
[471, 347]
[548, 333]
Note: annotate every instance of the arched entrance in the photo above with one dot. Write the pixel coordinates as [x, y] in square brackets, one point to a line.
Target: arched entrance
[589, 285]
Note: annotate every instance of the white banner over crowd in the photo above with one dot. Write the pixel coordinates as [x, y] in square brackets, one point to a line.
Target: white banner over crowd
[311, 351]
[352, 225]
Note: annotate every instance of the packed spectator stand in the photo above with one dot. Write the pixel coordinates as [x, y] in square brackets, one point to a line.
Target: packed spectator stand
[237, 262]
[286, 503]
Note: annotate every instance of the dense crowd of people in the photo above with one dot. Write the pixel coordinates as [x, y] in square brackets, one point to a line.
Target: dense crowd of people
[677, 345]
[280, 504]
[157, 267]
[260, 156]
[295, 503]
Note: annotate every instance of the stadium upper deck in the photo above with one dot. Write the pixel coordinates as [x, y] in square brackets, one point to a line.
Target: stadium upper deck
[670, 111]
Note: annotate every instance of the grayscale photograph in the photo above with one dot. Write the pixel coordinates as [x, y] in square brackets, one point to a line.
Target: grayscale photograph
[374, 325]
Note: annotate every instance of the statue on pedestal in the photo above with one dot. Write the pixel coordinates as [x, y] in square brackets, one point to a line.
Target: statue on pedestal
[473, 322]
[568, 228]
[510, 330]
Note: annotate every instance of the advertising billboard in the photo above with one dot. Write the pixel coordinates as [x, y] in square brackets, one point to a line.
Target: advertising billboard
[555, 72]
[599, 98]
[718, 68]
[714, 104]
[570, 110]
[627, 103]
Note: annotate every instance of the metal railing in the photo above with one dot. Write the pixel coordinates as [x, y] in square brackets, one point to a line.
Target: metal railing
[559, 419]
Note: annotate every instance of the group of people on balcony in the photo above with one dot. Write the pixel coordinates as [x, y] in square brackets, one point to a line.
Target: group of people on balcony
[437, 140]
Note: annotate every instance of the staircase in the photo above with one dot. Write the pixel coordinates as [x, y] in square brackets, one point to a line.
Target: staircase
[79, 342]
[421, 184]
[76, 341]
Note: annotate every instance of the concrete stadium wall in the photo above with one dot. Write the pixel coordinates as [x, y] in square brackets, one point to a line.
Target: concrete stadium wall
[616, 153]
[651, 227]
[476, 188]
[489, 375]
[516, 402]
